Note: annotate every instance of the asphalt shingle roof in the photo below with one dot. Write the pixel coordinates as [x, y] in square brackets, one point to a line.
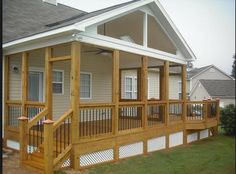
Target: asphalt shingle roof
[22, 18]
[219, 88]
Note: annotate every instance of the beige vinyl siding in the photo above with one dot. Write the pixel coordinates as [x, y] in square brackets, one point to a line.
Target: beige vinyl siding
[101, 69]
[15, 78]
[154, 84]
[225, 102]
[199, 93]
[174, 86]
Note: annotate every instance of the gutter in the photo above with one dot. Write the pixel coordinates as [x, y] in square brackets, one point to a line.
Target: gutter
[42, 35]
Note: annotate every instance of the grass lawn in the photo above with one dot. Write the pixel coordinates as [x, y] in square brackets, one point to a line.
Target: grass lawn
[215, 155]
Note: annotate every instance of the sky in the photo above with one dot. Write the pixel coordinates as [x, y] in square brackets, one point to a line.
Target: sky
[208, 26]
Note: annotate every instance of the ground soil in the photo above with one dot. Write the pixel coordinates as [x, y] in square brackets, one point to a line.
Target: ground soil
[11, 165]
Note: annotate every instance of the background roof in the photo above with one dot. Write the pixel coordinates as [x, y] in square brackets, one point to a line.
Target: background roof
[219, 88]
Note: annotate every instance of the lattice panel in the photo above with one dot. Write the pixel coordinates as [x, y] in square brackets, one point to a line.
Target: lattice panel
[156, 144]
[96, 157]
[66, 163]
[176, 139]
[192, 137]
[131, 150]
[204, 134]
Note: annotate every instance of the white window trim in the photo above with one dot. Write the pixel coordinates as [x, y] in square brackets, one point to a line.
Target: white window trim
[62, 71]
[133, 89]
[90, 90]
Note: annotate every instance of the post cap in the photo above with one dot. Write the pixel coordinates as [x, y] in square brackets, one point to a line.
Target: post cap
[48, 121]
[22, 118]
[209, 99]
[217, 98]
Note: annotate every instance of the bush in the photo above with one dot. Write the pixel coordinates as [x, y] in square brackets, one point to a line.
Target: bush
[228, 121]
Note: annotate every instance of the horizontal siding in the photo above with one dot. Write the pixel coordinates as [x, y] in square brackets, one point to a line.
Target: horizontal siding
[15, 78]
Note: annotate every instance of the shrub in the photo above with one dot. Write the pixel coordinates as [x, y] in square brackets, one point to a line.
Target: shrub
[228, 121]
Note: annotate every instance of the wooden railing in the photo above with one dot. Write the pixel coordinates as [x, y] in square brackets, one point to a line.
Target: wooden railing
[175, 110]
[36, 131]
[95, 119]
[33, 108]
[195, 110]
[14, 111]
[130, 115]
[155, 112]
[61, 137]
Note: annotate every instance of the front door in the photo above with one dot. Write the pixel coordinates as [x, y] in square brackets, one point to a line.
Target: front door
[35, 92]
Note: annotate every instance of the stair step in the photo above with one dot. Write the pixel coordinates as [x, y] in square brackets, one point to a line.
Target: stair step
[38, 157]
[34, 164]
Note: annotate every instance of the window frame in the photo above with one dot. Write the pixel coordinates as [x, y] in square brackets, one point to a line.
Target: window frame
[90, 83]
[62, 71]
[133, 91]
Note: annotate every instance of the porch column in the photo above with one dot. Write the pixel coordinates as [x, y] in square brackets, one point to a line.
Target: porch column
[24, 82]
[144, 77]
[184, 106]
[144, 91]
[48, 81]
[165, 90]
[115, 97]
[6, 95]
[75, 101]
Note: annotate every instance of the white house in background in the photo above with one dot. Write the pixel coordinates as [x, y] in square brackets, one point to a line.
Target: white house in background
[211, 82]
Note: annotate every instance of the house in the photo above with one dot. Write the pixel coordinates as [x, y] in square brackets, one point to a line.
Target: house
[211, 82]
[76, 84]
[222, 89]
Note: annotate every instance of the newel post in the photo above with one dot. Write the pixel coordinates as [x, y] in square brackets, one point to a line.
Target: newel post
[205, 109]
[48, 146]
[217, 113]
[23, 128]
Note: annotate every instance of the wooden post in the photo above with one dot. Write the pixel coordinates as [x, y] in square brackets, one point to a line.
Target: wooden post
[205, 109]
[48, 81]
[115, 90]
[166, 91]
[23, 128]
[217, 114]
[6, 95]
[48, 146]
[75, 101]
[184, 106]
[144, 81]
[24, 82]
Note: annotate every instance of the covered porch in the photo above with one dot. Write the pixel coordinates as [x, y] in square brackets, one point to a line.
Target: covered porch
[83, 101]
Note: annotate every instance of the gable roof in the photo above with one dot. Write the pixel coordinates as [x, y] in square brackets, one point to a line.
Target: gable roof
[72, 22]
[33, 17]
[219, 88]
[197, 71]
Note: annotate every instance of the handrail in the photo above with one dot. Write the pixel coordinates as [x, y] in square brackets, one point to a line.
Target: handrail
[57, 123]
[37, 117]
[62, 155]
[33, 103]
[156, 102]
[96, 105]
[133, 103]
[17, 102]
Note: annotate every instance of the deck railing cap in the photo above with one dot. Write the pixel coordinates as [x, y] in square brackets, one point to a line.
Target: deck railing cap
[22, 118]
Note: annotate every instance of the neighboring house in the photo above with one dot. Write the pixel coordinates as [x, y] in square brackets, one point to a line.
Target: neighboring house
[210, 72]
[75, 84]
[222, 89]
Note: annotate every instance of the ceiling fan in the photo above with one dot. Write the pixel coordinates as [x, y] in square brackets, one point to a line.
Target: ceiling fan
[101, 50]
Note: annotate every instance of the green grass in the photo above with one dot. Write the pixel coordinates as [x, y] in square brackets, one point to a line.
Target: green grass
[215, 155]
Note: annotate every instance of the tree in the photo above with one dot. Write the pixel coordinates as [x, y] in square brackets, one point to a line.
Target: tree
[228, 119]
[233, 68]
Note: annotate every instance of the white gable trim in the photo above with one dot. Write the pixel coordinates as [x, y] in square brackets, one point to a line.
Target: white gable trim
[212, 66]
[113, 43]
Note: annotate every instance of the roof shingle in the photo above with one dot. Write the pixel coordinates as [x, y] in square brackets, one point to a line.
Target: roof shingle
[219, 88]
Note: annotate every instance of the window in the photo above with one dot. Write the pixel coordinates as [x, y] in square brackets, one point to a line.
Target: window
[130, 87]
[85, 85]
[57, 82]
